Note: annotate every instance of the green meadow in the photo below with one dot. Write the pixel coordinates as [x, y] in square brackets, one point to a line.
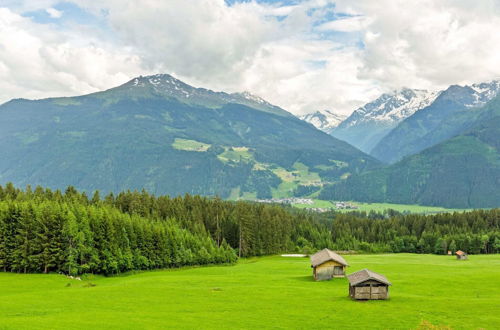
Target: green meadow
[268, 292]
[380, 207]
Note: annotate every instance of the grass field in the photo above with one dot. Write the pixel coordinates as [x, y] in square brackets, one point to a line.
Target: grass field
[380, 207]
[269, 292]
[190, 145]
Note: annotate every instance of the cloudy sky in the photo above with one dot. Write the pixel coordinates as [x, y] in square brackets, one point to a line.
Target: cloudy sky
[301, 55]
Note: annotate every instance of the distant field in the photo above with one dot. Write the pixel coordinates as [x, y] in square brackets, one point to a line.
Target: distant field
[268, 292]
[190, 145]
[379, 207]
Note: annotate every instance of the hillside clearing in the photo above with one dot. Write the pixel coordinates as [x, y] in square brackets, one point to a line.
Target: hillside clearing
[190, 145]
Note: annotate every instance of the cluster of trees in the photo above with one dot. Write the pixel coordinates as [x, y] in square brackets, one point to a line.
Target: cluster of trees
[43, 230]
[65, 235]
[475, 232]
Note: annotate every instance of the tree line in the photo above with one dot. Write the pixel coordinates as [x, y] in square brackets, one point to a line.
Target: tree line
[44, 230]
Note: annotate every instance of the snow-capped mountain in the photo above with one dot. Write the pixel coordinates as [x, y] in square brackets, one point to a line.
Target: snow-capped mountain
[449, 115]
[167, 86]
[483, 93]
[393, 107]
[367, 125]
[324, 120]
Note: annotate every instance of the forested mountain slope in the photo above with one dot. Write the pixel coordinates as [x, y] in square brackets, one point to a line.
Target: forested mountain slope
[454, 111]
[163, 135]
[461, 172]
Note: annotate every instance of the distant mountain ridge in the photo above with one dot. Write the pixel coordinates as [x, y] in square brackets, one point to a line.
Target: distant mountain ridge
[450, 114]
[165, 85]
[367, 125]
[460, 172]
[324, 120]
[160, 134]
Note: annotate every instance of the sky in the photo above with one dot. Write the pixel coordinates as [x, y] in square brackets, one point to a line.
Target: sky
[301, 55]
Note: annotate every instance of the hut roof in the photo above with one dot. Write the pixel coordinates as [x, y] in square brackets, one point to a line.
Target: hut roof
[326, 255]
[365, 275]
[460, 253]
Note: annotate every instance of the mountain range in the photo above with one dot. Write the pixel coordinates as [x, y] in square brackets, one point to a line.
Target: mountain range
[366, 126]
[163, 135]
[460, 172]
[454, 110]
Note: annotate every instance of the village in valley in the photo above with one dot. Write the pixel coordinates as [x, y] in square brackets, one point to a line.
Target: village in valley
[339, 205]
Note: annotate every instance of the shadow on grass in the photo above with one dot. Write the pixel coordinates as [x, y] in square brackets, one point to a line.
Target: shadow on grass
[307, 278]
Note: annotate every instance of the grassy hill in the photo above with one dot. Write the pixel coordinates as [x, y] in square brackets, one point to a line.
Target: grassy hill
[168, 137]
[269, 292]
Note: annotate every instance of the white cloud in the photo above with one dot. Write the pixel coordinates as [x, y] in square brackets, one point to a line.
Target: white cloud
[38, 61]
[242, 47]
[430, 43]
[54, 13]
[348, 24]
[287, 54]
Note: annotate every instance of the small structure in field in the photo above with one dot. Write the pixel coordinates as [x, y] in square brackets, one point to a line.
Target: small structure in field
[327, 264]
[461, 255]
[368, 285]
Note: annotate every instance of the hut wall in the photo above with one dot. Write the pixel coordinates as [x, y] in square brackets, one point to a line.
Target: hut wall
[327, 270]
[370, 290]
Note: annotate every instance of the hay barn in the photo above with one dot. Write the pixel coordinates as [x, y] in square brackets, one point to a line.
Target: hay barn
[327, 264]
[368, 285]
[461, 255]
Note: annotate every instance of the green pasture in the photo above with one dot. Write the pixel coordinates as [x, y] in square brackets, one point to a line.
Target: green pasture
[190, 145]
[380, 207]
[260, 293]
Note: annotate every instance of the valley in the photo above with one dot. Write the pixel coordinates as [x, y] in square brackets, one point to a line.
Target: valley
[249, 164]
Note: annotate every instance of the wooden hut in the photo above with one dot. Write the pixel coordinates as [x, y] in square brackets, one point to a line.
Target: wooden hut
[368, 285]
[327, 264]
[461, 255]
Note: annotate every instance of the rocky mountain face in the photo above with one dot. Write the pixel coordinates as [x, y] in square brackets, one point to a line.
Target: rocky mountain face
[366, 126]
[324, 120]
[453, 111]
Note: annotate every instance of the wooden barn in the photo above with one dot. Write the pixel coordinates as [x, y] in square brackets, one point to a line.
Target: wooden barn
[368, 285]
[327, 264]
[461, 255]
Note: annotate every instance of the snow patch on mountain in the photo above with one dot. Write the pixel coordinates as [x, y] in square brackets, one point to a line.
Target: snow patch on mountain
[392, 108]
[167, 85]
[483, 93]
[324, 120]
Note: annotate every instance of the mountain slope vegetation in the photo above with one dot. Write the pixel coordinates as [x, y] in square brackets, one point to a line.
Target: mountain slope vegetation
[454, 111]
[463, 171]
[165, 136]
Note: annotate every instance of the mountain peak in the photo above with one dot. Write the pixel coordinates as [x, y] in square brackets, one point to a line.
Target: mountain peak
[251, 97]
[324, 120]
[167, 86]
[392, 107]
[367, 125]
